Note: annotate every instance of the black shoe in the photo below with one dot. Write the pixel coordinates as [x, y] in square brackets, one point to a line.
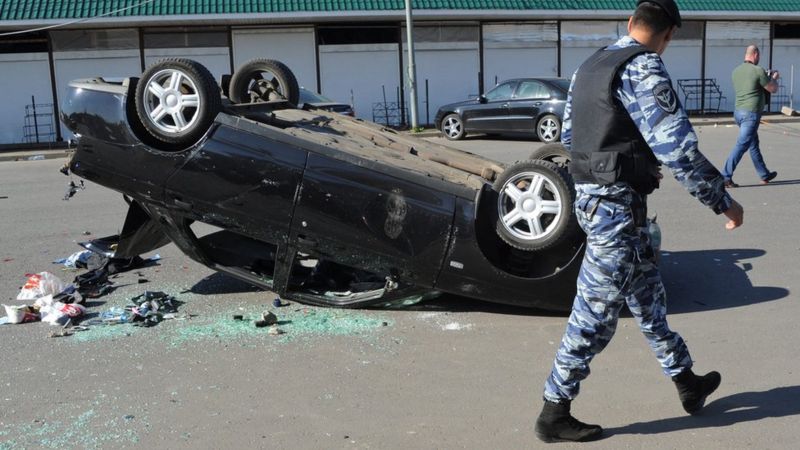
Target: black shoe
[556, 424]
[693, 390]
[730, 184]
[770, 176]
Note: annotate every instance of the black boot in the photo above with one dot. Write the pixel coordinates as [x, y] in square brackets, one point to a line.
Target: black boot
[693, 390]
[556, 424]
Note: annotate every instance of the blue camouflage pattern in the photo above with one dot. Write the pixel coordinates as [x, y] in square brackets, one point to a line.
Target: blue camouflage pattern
[618, 267]
[670, 135]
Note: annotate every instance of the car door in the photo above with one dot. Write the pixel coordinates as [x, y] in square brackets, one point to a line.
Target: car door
[244, 178]
[525, 106]
[490, 115]
[373, 216]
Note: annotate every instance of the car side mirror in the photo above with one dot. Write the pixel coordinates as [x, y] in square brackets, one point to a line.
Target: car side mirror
[482, 99]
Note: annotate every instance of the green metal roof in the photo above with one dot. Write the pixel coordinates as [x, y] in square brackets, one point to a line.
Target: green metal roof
[80, 9]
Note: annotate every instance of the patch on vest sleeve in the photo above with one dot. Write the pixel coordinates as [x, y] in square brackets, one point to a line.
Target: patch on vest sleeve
[666, 98]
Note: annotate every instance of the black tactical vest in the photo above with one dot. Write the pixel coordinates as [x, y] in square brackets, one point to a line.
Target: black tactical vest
[606, 144]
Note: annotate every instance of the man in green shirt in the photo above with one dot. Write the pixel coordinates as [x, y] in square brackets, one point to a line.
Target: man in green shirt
[751, 83]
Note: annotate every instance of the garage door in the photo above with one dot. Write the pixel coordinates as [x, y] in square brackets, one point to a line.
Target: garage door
[580, 39]
[725, 46]
[26, 79]
[90, 53]
[292, 46]
[207, 46]
[448, 58]
[519, 51]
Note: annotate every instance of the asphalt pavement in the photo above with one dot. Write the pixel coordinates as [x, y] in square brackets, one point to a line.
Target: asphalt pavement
[447, 373]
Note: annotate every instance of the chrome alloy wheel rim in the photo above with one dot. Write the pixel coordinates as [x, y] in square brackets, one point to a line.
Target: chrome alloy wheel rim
[548, 129]
[172, 101]
[452, 127]
[529, 206]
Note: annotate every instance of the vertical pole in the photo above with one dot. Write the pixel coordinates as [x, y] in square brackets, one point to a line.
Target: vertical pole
[558, 50]
[791, 87]
[35, 120]
[771, 51]
[231, 63]
[402, 94]
[385, 105]
[428, 104]
[316, 61]
[140, 32]
[480, 62]
[53, 87]
[703, 70]
[412, 69]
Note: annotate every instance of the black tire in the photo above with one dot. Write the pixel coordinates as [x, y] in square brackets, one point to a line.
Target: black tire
[543, 204]
[555, 153]
[249, 85]
[452, 127]
[548, 128]
[176, 101]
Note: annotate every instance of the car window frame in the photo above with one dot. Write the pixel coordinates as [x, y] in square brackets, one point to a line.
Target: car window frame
[547, 88]
[513, 83]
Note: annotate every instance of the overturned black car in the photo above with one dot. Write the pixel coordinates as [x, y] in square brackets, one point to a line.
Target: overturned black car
[314, 205]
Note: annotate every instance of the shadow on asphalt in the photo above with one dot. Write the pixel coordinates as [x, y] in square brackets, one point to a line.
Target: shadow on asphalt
[726, 411]
[713, 279]
[695, 281]
[220, 283]
[771, 183]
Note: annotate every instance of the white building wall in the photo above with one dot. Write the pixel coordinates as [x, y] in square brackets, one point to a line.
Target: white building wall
[359, 73]
[22, 75]
[294, 47]
[580, 39]
[451, 70]
[786, 59]
[518, 51]
[684, 60]
[71, 65]
[725, 46]
[215, 59]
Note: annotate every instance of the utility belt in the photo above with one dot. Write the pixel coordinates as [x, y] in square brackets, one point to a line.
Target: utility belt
[638, 207]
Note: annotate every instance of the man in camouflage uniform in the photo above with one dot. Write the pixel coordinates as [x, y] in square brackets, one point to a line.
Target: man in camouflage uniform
[623, 119]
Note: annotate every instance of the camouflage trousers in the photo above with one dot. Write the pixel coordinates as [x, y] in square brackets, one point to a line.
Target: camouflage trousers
[615, 271]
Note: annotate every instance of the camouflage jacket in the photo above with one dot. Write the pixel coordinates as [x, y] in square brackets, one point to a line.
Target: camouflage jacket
[646, 93]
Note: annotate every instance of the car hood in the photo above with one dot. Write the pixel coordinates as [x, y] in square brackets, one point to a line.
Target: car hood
[452, 106]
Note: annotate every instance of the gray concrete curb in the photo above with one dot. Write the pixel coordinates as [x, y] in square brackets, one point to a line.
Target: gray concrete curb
[34, 155]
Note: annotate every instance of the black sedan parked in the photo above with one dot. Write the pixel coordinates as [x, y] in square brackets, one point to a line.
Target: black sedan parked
[519, 106]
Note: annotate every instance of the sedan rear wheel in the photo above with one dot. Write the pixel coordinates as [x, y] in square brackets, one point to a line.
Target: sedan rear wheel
[453, 127]
[177, 100]
[548, 129]
[263, 80]
[555, 153]
[534, 205]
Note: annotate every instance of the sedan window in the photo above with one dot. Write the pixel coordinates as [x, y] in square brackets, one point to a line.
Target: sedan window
[501, 92]
[532, 89]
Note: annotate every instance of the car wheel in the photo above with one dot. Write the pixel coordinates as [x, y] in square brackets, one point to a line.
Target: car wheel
[555, 153]
[548, 128]
[263, 80]
[453, 127]
[534, 205]
[176, 101]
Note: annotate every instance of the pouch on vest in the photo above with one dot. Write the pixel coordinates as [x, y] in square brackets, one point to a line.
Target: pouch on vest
[604, 167]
